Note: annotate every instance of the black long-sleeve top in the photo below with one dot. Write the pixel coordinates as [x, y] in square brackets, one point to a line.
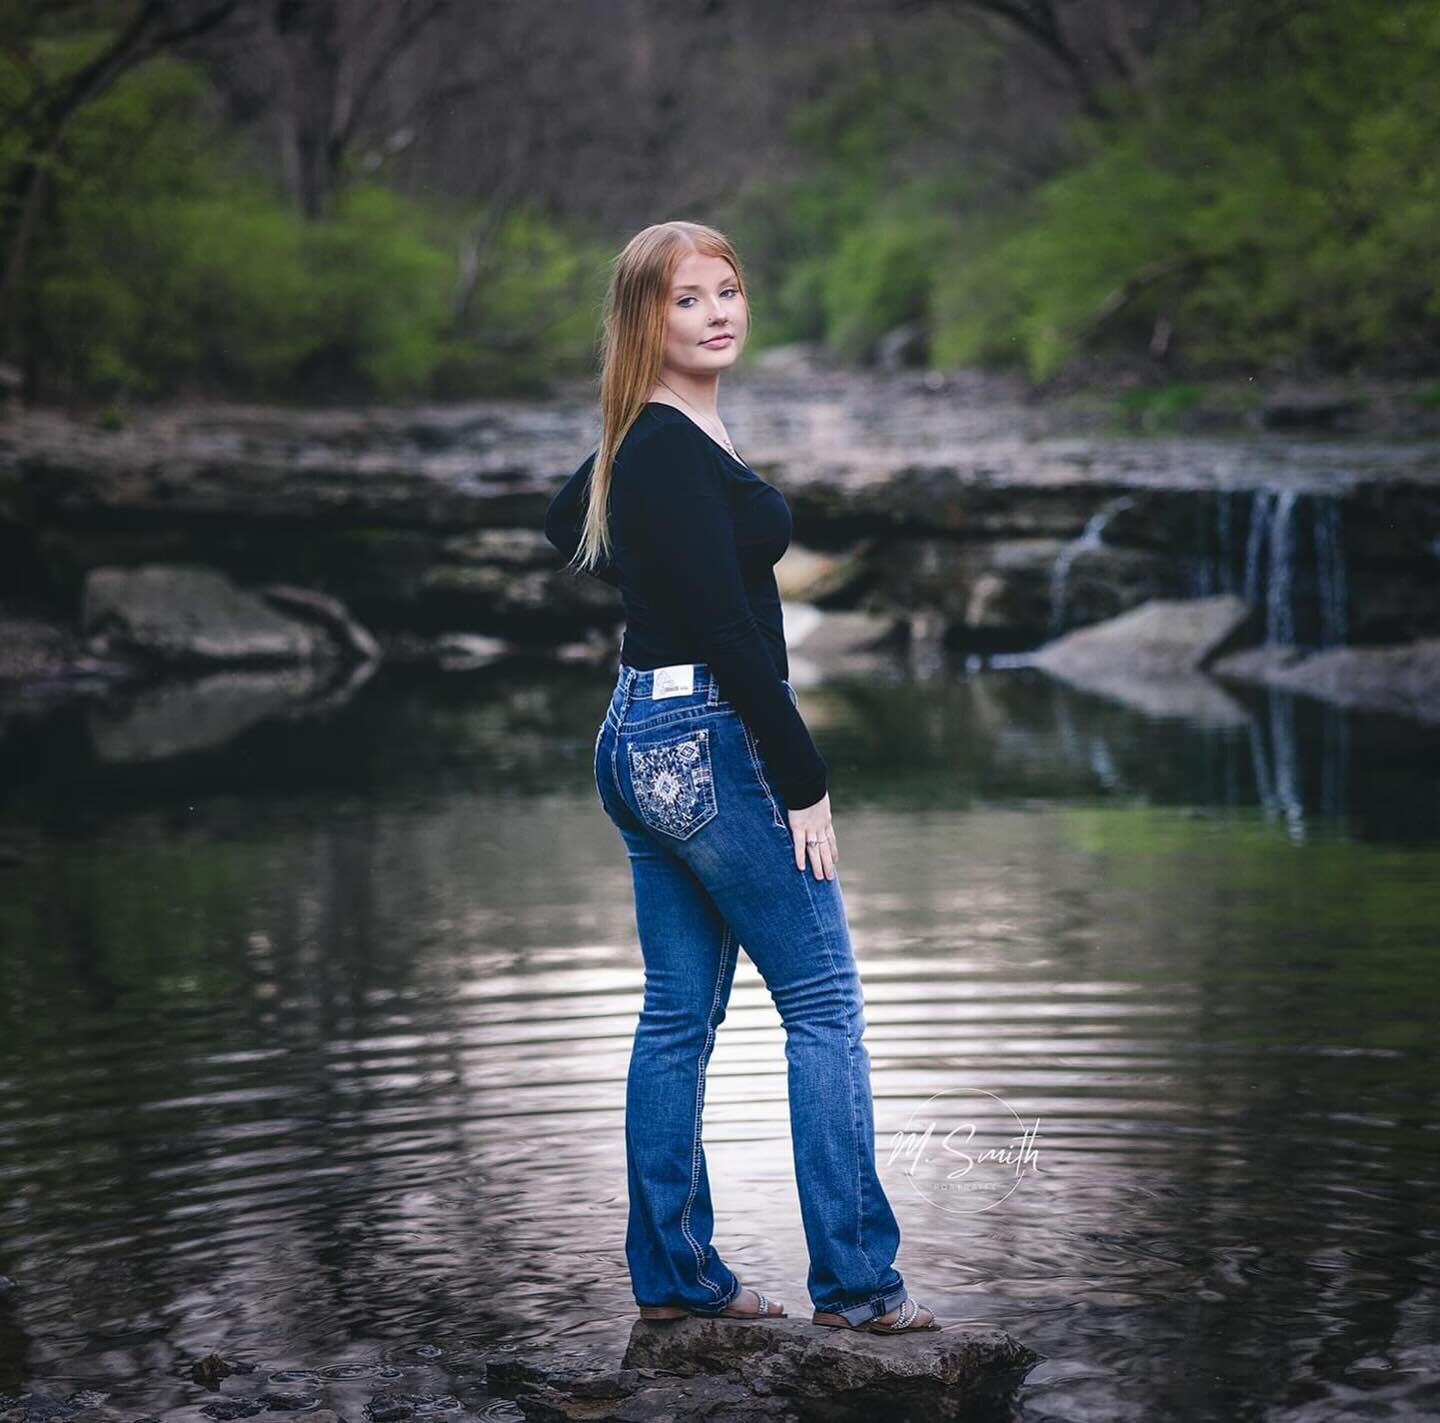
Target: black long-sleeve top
[696, 535]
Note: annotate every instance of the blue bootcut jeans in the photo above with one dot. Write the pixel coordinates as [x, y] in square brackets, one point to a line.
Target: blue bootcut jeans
[713, 863]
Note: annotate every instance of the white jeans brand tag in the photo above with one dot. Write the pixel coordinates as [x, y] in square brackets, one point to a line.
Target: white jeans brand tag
[676, 681]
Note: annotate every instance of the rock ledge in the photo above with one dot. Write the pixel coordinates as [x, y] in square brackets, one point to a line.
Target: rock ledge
[782, 1369]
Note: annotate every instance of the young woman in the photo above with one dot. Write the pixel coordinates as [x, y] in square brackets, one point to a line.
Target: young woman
[705, 767]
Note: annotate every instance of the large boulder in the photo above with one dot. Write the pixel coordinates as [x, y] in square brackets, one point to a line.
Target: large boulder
[786, 1370]
[1160, 638]
[800, 1359]
[1151, 657]
[185, 614]
[1404, 680]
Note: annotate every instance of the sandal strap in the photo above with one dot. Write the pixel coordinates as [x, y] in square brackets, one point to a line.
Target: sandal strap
[906, 1319]
[764, 1307]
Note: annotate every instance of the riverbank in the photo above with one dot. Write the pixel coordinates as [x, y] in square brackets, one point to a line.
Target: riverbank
[1140, 397]
[929, 514]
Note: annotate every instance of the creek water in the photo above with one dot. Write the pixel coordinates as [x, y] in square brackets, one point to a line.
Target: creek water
[312, 1046]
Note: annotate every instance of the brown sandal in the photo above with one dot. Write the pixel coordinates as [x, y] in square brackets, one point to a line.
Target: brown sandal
[903, 1323]
[680, 1311]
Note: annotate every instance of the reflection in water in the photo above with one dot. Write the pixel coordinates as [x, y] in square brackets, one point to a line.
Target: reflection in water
[1276, 757]
[317, 1043]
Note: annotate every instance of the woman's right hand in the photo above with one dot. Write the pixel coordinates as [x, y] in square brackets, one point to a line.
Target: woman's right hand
[814, 837]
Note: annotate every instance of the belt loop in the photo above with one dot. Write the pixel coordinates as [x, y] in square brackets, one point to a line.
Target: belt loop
[628, 675]
[714, 689]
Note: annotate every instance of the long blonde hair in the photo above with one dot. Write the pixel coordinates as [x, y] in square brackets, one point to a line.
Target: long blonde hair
[632, 349]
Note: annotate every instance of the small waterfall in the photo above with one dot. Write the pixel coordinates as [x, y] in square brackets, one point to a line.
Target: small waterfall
[1090, 537]
[1288, 563]
[1330, 573]
[1280, 584]
[1303, 592]
[1255, 543]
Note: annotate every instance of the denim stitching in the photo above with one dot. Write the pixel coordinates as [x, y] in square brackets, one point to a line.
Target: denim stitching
[627, 681]
[724, 1304]
[877, 1301]
[699, 712]
[615, 766]
[850, 1079]
[754, 754]
[725, 942]
[674, 784]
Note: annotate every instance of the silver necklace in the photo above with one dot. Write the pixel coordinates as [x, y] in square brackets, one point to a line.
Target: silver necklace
[704, 422]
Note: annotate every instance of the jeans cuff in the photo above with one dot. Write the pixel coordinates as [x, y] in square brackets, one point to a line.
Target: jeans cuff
[727, 1301]
[859, 1313]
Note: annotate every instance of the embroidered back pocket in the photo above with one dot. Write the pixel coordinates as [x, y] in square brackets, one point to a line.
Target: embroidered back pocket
[674, 786]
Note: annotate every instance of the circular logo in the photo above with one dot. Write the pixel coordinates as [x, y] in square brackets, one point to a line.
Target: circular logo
[965, 1150]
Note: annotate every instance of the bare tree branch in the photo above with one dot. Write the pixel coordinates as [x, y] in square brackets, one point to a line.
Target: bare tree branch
[1179, 264]
[405, 35]
[202, 24]
[1038, 22]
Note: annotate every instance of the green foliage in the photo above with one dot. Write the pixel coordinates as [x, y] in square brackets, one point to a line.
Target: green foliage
[1276, 205]
[164, 266]
[534, 313]
[1275, 201]
[1079, 236]
[1155, 408]
[879, 276]
[378, 286]
[1290, 218]
[850, 248]
[977, 308]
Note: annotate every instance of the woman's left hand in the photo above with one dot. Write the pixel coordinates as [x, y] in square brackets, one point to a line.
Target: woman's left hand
[814, 837]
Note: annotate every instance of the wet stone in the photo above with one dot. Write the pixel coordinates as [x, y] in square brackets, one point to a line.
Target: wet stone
[782, 1369]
